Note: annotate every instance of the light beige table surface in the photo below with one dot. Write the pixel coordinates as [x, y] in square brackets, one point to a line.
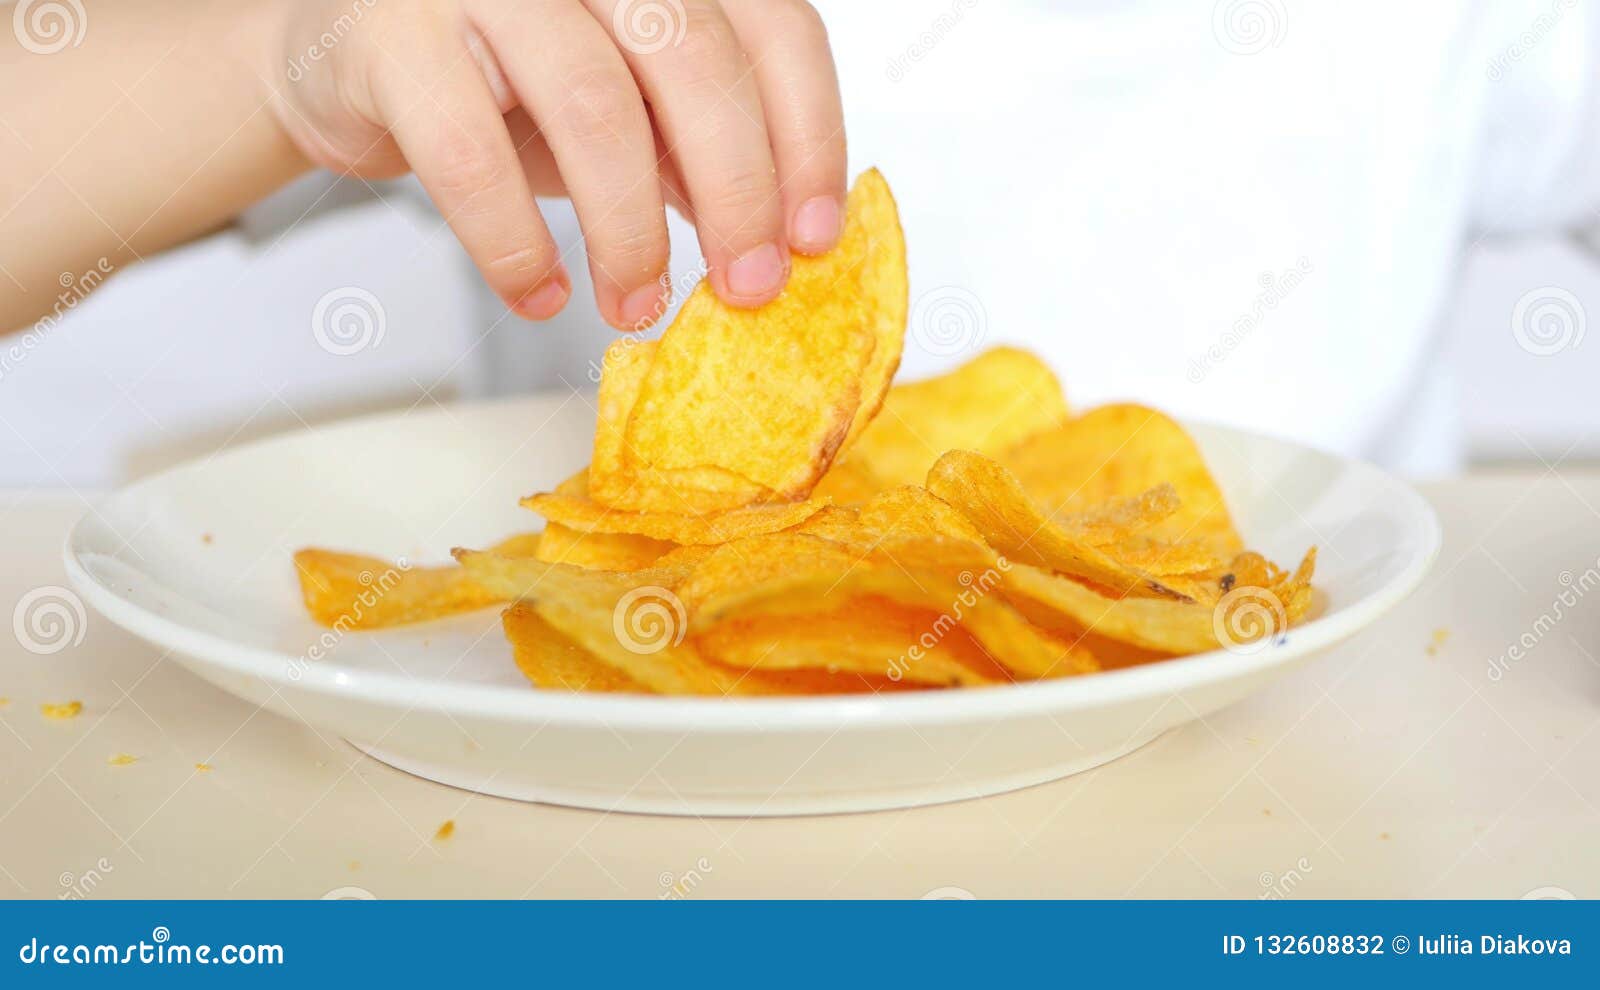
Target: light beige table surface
[1384, 769]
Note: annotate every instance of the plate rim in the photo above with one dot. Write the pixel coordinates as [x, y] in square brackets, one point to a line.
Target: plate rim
[658, 713]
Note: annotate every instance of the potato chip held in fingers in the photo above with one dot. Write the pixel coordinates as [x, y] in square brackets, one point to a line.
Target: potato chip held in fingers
[768, 395]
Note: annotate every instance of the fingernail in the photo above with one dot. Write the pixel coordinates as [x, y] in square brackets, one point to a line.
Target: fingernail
[643, 305]
[757, 273]
[545, 301]
[816, 224]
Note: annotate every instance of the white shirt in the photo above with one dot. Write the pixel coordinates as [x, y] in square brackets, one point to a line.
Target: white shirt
[1249, 211]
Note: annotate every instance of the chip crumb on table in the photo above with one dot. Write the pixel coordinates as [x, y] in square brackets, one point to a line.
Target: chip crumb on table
[1436, 643]
[203, 767]
[446, 830]
[122, 760]
[61, 711]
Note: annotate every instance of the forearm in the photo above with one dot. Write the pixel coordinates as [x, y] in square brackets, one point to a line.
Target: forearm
[153, 130]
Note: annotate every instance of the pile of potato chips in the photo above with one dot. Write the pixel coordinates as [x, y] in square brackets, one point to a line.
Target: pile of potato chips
[764, 514]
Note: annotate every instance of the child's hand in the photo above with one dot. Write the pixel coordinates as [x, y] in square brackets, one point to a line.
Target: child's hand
[730, 109]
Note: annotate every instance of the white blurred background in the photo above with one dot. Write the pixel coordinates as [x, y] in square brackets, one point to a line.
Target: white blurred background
[1378, 226]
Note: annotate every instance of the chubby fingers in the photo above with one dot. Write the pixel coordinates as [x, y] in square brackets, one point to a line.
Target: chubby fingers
[443, 116]
[794, 72]
[575, 87]
[689, 62]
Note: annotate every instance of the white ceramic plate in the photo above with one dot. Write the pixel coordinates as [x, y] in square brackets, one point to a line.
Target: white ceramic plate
[197, 561]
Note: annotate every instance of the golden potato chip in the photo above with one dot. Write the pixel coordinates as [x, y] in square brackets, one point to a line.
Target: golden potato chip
[519, 545]
[1027, 650]
[600, 551]
[683, 559]
[1116, 519]
[611, 481]
[1249, 568]
[1167, 560]
[904, 512]
[635, 484]
[886, 290]
[758, 567]
[792, 570]
[994, 501]
[587, 516]
[911, 511]
[790, 574]
[839, 523]
[1247, 613]
[631, 622]
[354, 591]
[870, 636]
[766, 395]
[963, 580]
[1121, 528]
[522, 578]
[1118, 451]
[635, 625]
[989, 404]
[847, 482]
[622, 372]
[551, 660]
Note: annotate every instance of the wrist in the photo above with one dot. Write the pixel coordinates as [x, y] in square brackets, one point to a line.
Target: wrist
[254, 42]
